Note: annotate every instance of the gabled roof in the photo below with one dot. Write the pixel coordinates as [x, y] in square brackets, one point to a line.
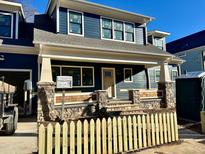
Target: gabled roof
[90, 7]
[186, 43]
[11, 6]
[44, 34]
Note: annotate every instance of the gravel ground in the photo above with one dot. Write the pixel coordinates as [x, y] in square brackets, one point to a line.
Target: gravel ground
[24, 141]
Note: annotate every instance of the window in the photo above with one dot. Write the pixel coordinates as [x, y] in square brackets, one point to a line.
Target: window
[6, 25]
[107, 28]
[129, 32]
[75, 23]
[157, 75]
[128, 75]
[82, 76]
[174, 75]
[55, 72]
[87, 76]
[118, 30]
[159, 43]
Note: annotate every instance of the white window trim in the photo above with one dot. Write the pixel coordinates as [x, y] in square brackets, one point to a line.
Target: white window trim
[81, 74]
[68, 22]
[155, 75]
[172, 74]
[12, 24]
[131, 74]
[17, 25]
[113, 33]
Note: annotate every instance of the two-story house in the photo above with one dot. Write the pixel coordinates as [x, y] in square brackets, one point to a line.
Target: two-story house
[191, 49]
[102, 48]
[18, 59]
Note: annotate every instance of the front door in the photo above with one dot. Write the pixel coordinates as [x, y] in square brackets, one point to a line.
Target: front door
[108, 81]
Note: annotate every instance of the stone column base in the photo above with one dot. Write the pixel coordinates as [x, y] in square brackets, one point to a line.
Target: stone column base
[134, 96]
[169, 100]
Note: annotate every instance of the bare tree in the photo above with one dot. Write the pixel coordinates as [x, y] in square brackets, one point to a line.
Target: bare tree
[29, 10]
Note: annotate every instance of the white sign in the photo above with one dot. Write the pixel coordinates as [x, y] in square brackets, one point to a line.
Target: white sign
[64, 82]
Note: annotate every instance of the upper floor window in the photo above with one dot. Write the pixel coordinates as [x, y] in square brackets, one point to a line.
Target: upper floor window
[6, 25]
[75, 23]
[117, 30]
[174, 75]
[107, 28]
[129, 32]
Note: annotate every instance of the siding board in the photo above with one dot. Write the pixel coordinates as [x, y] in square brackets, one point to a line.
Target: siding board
[63, 21]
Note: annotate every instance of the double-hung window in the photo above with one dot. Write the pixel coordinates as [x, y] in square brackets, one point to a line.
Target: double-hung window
[6, 25]
[118, 30]
[157, 75]
[75, 23]
[107, 28]
[129, 32]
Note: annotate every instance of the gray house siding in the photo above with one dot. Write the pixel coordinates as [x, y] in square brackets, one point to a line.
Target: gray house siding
[139, 34]
[193, 61]
[63, 21]
[92, 25]
[139, 77]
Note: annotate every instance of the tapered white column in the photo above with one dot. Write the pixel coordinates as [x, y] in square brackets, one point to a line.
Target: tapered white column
[46, 72]
[164, 73]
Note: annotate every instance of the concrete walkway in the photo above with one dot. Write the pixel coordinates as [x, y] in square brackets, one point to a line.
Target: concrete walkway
[24, 141]
[192, 143]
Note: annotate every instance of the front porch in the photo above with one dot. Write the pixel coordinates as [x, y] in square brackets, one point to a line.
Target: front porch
[102, 89]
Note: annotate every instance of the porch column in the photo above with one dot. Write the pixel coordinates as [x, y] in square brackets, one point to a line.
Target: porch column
[46, 93]
[167, 87]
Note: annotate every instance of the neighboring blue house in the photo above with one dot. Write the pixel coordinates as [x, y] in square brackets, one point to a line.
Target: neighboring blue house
[18, 59]
[192, 50]
[102, 48]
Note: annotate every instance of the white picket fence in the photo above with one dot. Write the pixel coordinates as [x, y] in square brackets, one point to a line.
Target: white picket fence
[112, 135]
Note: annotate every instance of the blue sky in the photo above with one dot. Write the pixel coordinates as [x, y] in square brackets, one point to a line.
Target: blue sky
[179, 17]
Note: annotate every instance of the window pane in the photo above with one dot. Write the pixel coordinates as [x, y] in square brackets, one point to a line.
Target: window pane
[107, 23]
[157, 75]
[75, 28]
[5, 25]
[107, 33]
[55, 72]
[129, 37]
[118, 25]
[128, 75]
[129, 28]
[174, 75]
[75, 17]
[74, 72]
[87, 76]
[118, 35]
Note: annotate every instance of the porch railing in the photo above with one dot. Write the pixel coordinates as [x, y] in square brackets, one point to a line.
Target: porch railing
[112, 135]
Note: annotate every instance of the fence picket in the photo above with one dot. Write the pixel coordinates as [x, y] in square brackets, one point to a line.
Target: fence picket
[65, 138]
[72, 137]
[157, 128]
[98, 136]
[144, 135]
[148, 131]
[168, 127]
[153, 130]
[92, 137]
[139, 131]
[42, 139]
[176, 127]
[119, 122]
[109, 124]
[125, 133]
[134, 120]
[130, 133]
[104, 136]
[165, 127]
[57, 138]
[161, 129]
[79, 137]
[172, 126]
[85, 141]
[115, 135]
[49, 138]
